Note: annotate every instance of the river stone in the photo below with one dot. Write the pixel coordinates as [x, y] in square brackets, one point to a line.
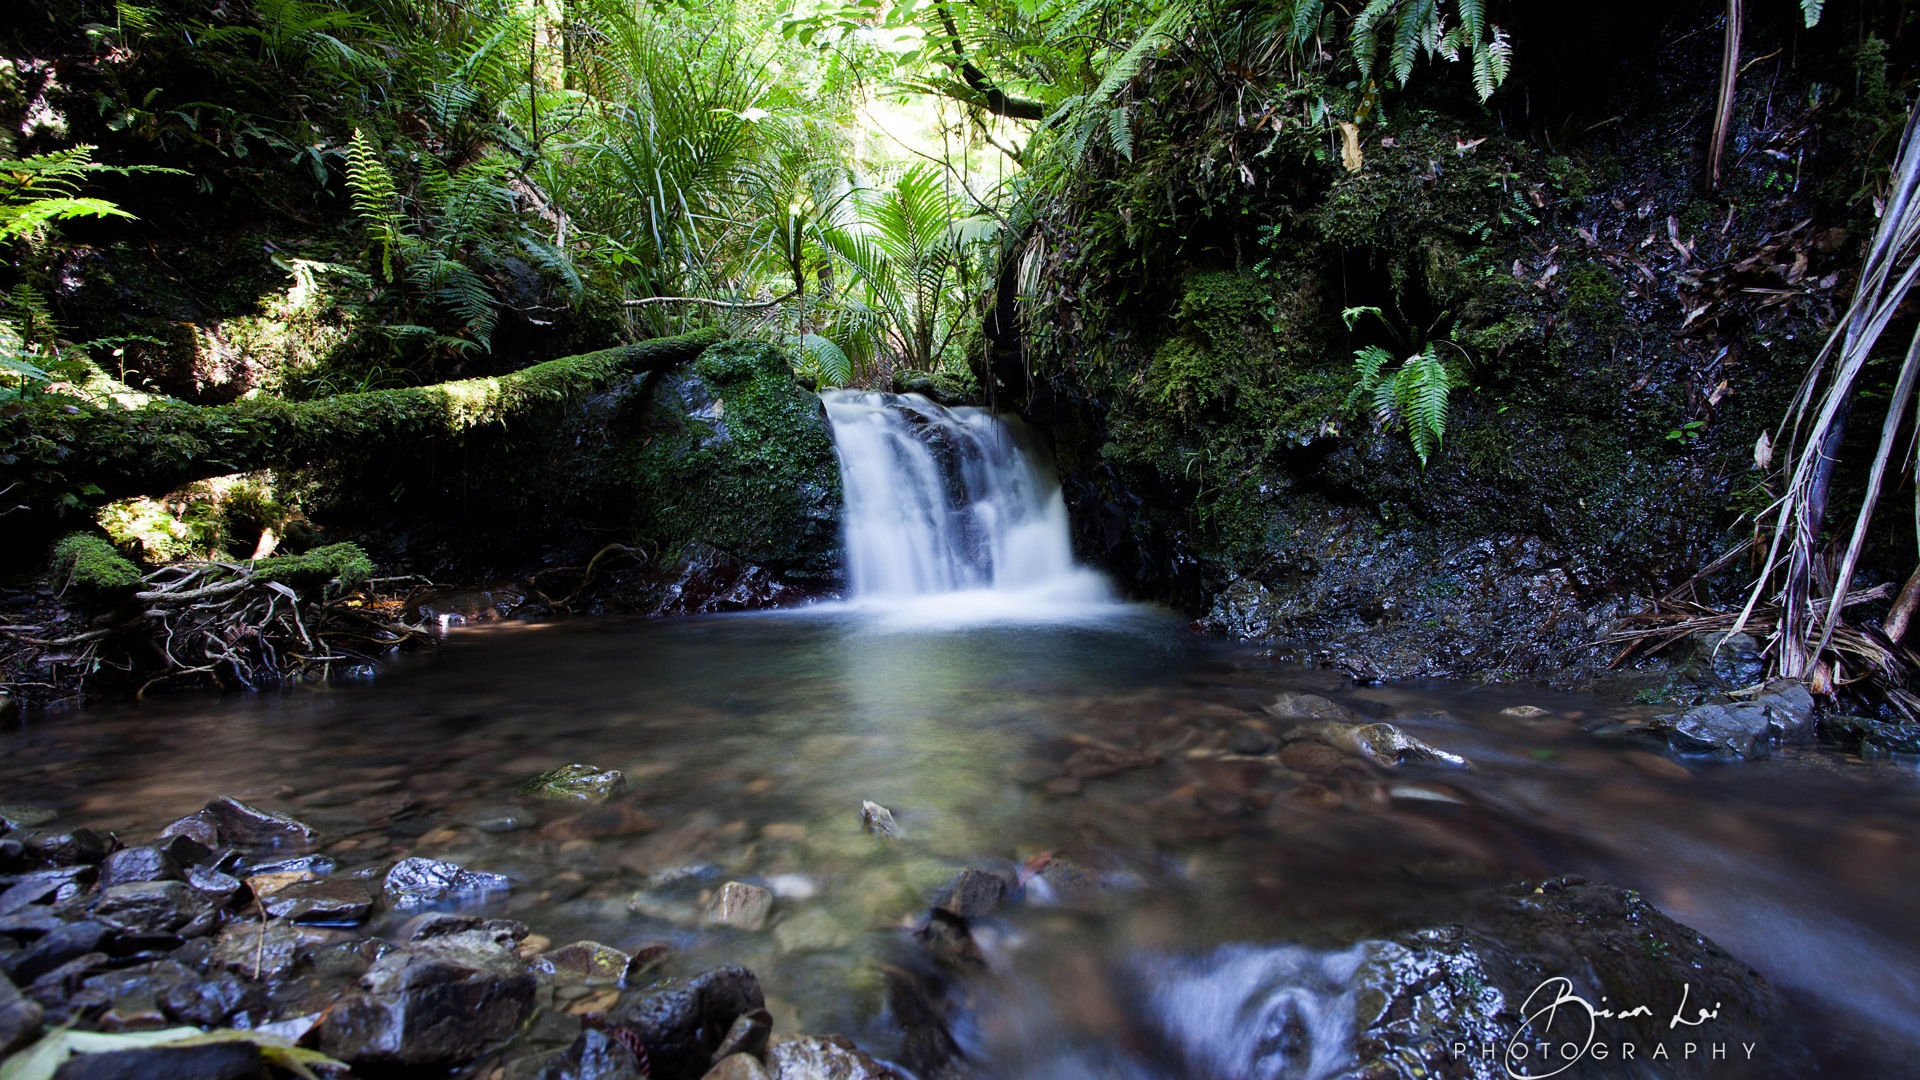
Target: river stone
[1737, 730]
[973, 893]
[138, 864]
[20, 816]
[583, 783]
[184, 850]
[321, 865]
[584, 962]
[59, 884]
[877, 819]
[1385, 745]
[68, 847]
[155, 909]
[1789, 706]
[56, 947]
[1092, 762]
[1294, 705]
[19, 1018]
[1735, 659]
[812, 930]
[737, 1067]
[218, 888]
[594, 1055]
[437, 1002]
[213, 1000]
[747, 1037]
[267, 951]
[321, 900]
[742, 906]
[682, 1023]
[417, 882]
[825, 1057]
[228, 822]
[435, 924]
[208, 1061]
[1870, 735]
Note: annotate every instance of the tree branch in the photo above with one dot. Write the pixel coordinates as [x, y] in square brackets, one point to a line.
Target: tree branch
[993, 99]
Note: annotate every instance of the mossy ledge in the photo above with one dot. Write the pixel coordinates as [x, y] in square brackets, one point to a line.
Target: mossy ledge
[92, 563]
[68, 452]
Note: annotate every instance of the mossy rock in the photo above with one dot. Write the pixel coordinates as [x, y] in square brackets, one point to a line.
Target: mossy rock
[94, 564]
[341, 566]
[577, 783]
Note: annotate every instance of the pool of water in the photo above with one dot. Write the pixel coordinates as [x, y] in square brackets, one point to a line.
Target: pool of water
[751, 742]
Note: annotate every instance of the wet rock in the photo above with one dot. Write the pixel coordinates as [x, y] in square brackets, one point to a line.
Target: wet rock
[949, 942]
[321, 900]
[184, 850]
[68, 847]
[1736, 730]
[219, 889]
[584, 962]
[599, 824]
[138, 864]
[197, 827]
[1734, 659]
[748, 1035]
[435, 1002]
[155, 909]
[1092, 762]
[19, 1018]
[1872, 737]
[737, 1067]
[1060, 880]
[580, 783]
[214, 1001]
[56, 988]
[304, 864]
[417, 882]
[973, 893]
[43, 886]
[1318, 759]
[1251, 741]
[1294, 705]
[13, 855]
[742, 906]
[683, 1023]
[441, 923]
[1789, 706]
[825, 1057]
[1525, 712]
[240, 825]
[877, 819]
[1385, 745]
[209, 1061]
[266, 950]
[813, 930]
[14, 816]
[594, 1055]
[56, 947]
[502, 819]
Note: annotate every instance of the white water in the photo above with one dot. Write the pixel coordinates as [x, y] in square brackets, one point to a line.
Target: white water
[946, 518]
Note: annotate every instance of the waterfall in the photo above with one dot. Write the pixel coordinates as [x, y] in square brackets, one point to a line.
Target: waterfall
[942, 502]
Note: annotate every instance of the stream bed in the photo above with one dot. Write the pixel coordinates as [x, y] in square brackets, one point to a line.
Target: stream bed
[1182, 866]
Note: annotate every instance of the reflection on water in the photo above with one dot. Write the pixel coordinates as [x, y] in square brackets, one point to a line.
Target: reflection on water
[1223, 888]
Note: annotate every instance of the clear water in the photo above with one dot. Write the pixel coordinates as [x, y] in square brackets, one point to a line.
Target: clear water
[752, 740]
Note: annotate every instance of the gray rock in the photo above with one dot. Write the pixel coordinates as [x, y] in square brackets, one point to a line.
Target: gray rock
[825, 1057]
[155, 909]
[1384, 745]
[737, 1067]
[414, 883]
[266, 950]
[1295, 705]
[877, 819]
[1738, 730]
[1735, 659]
[56, 947]
[578, 783]
[973, 893]
[747, 1037]
[214, 1000]
[593, 1056]
[41, 886]
[184, 850]
[19, 1018]
[1789, 706]
[20, 816]
[69, 847]
[742, 906]
[228, 822]
[218, 888]
[441, 923]
[1872, 737]
[138, 864]
[321, 865]
[682, 1023]
[321, 900]
[437, 1002]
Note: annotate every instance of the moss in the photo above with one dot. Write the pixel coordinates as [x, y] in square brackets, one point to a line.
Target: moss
[92, 563]
[343, 567]
[1594, 295]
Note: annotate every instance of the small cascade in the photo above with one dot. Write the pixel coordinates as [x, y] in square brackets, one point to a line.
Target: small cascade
[944, 501]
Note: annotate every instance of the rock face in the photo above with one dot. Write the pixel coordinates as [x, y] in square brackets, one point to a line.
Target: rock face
[435, 1002]
[683, 1023]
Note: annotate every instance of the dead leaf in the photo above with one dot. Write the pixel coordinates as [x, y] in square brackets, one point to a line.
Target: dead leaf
[1763, 452]
[1461, 146]
[1718, 393]
[1350, 146]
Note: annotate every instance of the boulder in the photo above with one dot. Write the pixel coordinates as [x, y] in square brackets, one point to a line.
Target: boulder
[577, 783]
[682, 1023]
[414, 883]
[747, 1037]
[436, 1002]
[68, 847]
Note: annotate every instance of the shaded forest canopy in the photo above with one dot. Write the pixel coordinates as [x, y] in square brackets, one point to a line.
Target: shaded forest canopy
[1287, 284]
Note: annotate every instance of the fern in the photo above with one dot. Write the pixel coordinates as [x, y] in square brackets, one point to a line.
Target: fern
[46, 188]
[829, 363]
[1410, 394]
[375, 198]
[1306, 21]
[1811, 10]
[1120, 131]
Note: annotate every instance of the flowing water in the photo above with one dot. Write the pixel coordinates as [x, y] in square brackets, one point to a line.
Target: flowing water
[1217, 894]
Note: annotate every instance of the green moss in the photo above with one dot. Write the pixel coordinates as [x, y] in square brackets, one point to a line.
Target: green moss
[343, 567]
[92, 563]
[1593, 295]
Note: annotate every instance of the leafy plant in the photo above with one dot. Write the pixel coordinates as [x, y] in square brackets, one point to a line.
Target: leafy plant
[1408, 393]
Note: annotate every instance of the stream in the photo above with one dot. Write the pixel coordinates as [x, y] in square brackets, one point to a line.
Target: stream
[1197, 875]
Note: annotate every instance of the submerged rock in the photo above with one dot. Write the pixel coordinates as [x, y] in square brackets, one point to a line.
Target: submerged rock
[742, 906]
[418, 882]
[584, 962]
[973, 893]
[593, 1056]
[877, 819]
[581, 783]
[435, 1002]
[1384, 745]
[19, 816]
[1736, 730]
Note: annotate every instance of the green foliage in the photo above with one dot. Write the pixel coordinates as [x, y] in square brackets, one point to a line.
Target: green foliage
[1406, 30]
[45, 188]
[1408, 393]
[342, 568]
[90, 562]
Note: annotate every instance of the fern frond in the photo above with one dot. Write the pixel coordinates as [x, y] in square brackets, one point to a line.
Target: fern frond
[376, 198]
[1120, 131]
[829, 361]
[1306, 21]
[1362, 38]
[1811, 10]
